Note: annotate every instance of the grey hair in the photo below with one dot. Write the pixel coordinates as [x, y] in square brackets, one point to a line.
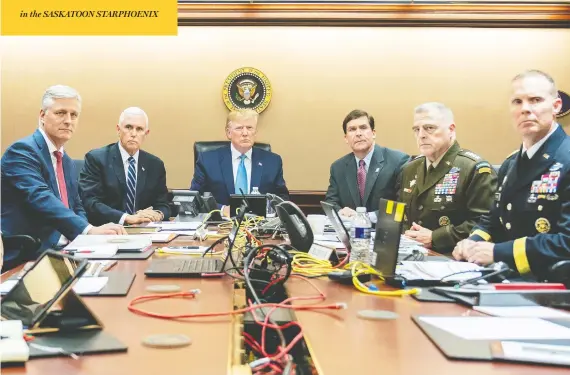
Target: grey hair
[444, 112]
[134, 111]
[538, 73]
[58, 92]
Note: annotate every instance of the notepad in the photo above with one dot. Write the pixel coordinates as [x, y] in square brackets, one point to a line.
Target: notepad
[522, 311]
[438, 270]
[13, 347]
[162, 237]
[94, 251]
[90, 285]
[488, 328]
[125, 243]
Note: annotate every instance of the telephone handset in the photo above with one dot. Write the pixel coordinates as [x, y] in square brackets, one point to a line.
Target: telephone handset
[296, 224]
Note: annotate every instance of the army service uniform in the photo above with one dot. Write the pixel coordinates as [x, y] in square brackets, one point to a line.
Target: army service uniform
[530, 219]
[450, 199]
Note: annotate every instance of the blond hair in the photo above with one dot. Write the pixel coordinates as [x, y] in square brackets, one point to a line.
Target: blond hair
[241, 114]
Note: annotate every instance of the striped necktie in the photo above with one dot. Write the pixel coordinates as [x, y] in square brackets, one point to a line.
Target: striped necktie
[131, 186]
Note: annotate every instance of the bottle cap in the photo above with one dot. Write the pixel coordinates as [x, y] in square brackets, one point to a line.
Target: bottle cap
[361, 210]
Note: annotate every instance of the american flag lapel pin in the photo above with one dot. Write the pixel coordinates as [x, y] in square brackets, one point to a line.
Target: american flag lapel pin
[260, 164]
[377, 170]
[142, 168]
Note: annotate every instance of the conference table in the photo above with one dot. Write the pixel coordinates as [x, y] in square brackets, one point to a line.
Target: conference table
[339, 342]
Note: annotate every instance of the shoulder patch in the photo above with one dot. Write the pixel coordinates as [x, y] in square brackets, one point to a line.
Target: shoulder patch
[470, 155]
[483, 167]
[512, 153]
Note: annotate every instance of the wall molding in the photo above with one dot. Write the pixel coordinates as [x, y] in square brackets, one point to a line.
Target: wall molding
[405, 15]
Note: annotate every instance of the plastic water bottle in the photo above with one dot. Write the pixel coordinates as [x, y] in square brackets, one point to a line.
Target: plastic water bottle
[270, 211]
[255, 191]
[361, 239]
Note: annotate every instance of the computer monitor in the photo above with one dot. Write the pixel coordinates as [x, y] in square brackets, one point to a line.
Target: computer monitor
[337, 224]
[257, 204]
[389, 225]
[41, 288]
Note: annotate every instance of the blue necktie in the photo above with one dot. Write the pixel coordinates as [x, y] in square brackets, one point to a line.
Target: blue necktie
[131, 186]
[241, 178]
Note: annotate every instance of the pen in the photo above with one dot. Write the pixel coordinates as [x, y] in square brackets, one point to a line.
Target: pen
[78, 252]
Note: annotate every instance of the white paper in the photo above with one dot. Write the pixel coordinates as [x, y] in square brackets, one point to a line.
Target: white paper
[488, 328]
[7, 286]
[522, 311]
[555, 354]
[96, 251]
[179, 232]
[200, 250]
[428, 270]
[88, 285]
[161, 237]
[172, 225]
[123, 242]
[336, 245]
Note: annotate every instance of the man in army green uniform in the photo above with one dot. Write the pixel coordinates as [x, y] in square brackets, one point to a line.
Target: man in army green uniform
[447, 188]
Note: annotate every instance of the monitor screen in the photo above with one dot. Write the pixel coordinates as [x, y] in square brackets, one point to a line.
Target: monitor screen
[38, 289]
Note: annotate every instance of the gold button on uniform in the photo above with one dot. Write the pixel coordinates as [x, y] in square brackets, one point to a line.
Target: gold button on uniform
[509, 206]
[508, 225]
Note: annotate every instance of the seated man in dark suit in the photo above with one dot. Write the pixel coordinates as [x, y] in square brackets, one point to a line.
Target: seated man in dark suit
[121, 183]
[368, 173]
[39, 193]
[240, 166]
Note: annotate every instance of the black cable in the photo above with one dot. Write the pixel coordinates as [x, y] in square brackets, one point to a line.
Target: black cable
[211, 248]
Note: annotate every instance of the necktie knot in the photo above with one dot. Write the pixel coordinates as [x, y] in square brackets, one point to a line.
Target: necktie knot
[131, 160]
[431, 168]
[362, 163]
[58, 155]
[242, 157]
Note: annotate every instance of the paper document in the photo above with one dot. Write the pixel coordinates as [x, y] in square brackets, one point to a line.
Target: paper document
[488, 328]
[326, 237]
[179, 232]
[130, 242]
[7, 286]
[177, 250]
[429, 270]
[541, 353]
[94, 251]
[90, 285]
[176, 225]
[522, 311]
[163, 237]
[13, 348]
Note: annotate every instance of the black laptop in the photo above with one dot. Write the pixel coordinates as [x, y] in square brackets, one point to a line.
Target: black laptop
[193, 267]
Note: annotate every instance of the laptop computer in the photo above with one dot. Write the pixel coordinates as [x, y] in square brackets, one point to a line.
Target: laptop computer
[193, 267]
[337, 224]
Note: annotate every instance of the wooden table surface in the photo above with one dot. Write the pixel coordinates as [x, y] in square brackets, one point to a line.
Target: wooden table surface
[341, 343]
[208, 353]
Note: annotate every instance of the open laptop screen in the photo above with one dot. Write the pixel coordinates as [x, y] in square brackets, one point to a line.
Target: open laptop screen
[337, 224]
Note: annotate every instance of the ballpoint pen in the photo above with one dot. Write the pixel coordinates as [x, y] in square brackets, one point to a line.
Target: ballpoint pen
[71, 252]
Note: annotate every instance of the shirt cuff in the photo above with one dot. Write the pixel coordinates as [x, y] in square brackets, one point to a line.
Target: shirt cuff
[123, 218]
[87, 229]
[372, 217]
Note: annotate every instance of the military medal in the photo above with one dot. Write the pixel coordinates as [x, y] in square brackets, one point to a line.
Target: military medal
[552, 197]
[406, 190]
[542, 225]
[531, 199]
[443, 221]
[449, 198]
[437, 199]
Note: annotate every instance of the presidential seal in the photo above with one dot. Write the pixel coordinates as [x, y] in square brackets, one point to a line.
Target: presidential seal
[247, 88]
[565, 104]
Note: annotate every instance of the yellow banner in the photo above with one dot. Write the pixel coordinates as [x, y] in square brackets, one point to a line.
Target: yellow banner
[88, 17]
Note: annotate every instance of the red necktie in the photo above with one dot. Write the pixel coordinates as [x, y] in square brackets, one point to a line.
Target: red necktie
[361, 178]
[61, 178]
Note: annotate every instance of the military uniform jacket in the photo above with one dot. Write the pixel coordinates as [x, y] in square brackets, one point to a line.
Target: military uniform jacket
[451, 198]
[530, 219]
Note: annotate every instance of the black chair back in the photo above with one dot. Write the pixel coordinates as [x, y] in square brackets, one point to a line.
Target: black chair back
[26, 246]
[212, 145]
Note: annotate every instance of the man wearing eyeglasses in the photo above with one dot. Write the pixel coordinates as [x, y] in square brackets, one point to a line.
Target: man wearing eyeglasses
[239, 167]
[447, 188]
[121, 183]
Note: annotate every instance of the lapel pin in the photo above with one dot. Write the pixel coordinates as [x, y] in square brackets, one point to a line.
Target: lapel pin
[546, 156]
[261, 165]
[377, 170]
[142, 168]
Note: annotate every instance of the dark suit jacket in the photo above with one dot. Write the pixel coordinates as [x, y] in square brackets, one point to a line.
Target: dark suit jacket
[214, 173]
[380, 180]
[103, 187]
[530, 226]
[31, 203]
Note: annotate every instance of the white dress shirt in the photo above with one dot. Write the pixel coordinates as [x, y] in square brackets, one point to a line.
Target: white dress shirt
[534, 148]
[236, 159]
[51, 147]
[125, 156]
